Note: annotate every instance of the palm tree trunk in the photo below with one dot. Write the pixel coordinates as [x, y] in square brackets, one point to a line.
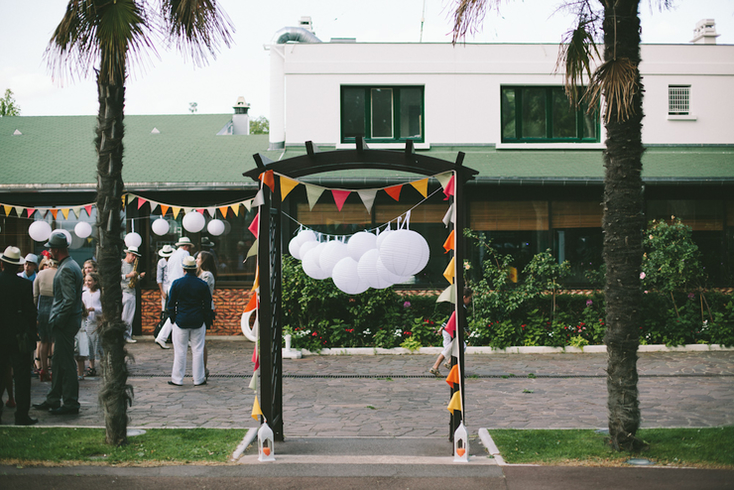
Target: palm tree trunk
[115, 394]
[623, 224]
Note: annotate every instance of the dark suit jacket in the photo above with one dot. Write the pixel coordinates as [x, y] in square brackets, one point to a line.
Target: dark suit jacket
[17, 310]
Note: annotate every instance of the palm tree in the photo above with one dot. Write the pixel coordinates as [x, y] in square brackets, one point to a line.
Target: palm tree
[617, 79]
[107, 35]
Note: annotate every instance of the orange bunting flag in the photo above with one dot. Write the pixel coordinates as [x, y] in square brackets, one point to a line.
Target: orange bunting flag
[252, 304]
[255, 225]
[394, 191]
[286, 186]
[450, 271]
[164, 209]
[340, 197]
[455, 403]
[453, 377]
[256, 409]
[421, 186]
[268, 179]
[224, 210]
[449, 243]
[54, 212]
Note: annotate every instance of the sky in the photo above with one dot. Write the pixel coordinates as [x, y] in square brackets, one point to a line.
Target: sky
[167, 84]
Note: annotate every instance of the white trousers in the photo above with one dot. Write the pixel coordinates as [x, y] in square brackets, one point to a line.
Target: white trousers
[181, 338]
[166, 330]
[128, 312]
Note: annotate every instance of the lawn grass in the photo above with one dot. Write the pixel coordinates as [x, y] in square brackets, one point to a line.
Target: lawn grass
[34, 445]
[709, 447]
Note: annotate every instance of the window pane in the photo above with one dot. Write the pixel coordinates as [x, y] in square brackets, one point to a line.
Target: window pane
[508, 114]
[591, 123]
[533, 113]
[352, 112]
[564, 116]
[382, 124]
[410, 113]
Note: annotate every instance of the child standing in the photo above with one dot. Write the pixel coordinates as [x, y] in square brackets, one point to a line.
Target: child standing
[93, 309]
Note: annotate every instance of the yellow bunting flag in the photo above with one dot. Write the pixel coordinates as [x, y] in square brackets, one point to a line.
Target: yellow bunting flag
[175, 211]
[7, 209]
[449, 243]
[450, 271]
[455, 403]
[256, 282]
[235, 209]
[256, 409]
[453, 377]
[65, 212]
[421, 186]
[286, 186]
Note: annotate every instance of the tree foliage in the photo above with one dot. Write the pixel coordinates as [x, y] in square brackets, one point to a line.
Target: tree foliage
[260, 125]
[8, 106]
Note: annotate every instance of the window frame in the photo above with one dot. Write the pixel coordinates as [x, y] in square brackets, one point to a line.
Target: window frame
[396, 115]
[549, 138]
[671, 89]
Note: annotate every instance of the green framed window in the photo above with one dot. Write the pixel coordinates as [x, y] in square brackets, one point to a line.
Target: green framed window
[382, 114]
[543, 114]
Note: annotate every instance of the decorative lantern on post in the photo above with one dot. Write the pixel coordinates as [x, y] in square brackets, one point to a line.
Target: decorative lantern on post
[461, 444]
[265, 443]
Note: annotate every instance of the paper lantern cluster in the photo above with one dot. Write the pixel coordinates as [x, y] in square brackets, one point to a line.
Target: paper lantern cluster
[40, 231]
[364, 261]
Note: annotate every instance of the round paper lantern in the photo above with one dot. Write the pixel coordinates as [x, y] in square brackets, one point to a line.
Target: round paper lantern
[388, 276]
[250, 333]
[39, 231]
[194, 222]
[306, 247]
[346, 278]
[360, 243]
[215, 227]
[310, 263]
[160, 226]
[227, 227]
[83, 229]
[333, 252]
[367, 270]
[133, 240]
[66, 233]
[381, 238]
[404, 252]
[304, 236]
[76, 241]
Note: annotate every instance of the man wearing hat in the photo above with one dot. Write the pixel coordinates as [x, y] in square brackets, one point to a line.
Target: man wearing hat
[190, 310]
[64, 321]
[17, 331]
[162, 273]
[128, 272]
[29, 267]
[174, 270]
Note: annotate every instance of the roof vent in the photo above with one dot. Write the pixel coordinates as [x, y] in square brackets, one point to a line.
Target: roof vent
[306, 23]
[17, 133]
[705, 32]
[155, 131]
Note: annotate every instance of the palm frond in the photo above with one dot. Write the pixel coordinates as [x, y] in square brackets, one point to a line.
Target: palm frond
[576, 55]
[196, 27]
[469, 16]
[616, 80]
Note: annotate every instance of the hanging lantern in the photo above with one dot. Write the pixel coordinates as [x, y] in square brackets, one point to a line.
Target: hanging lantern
[265, 443]
[303, 250]
[381, 238]
[83, 229]
[303, 237]
[39, 231]
[310, 263]
[360, 243]
[66, 233]
[367, 270]
[215, 227]
[133, 240]
[160, 226]
[250, 333]
[346, 278]
[461, 444]
[194, 222]
[388, 276]
[333, 252]
[404, 252]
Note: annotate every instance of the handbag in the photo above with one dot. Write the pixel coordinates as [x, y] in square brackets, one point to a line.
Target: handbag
[81, 343]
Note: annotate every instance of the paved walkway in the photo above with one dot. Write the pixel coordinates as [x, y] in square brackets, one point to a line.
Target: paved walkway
[394, 396]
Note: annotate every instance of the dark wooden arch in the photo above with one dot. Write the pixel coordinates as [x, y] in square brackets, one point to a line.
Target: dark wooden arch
[270, 248]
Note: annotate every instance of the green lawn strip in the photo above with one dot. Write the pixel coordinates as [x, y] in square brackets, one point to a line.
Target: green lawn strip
[709, 447]
[55, 445]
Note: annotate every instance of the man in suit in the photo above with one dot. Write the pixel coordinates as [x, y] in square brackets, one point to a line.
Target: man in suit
[17, 330]
[64, 321]
[174, 271]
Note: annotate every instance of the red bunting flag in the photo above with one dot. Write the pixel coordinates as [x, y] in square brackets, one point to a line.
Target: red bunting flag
[255, 359]
[451, 324]
[449, 189]
[394, 191]
[141, 201]
[340, 197]
[88, 209]
[453, 377]
[255, 225]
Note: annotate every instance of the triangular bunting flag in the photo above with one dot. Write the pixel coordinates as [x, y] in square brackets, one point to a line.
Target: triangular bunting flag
[224, 210]
[30, 211]
[141, 201]
[259, 199]
[252, 304]
[268, 179]
[454, 404]
[19, 211]
[175, 211]
[449, 243]
[212, 212]
[444, 178]
[255, 359]
[421, 186]
[252, 251]
[449, 216]
[65, 212]
[254, 225]
[340, 197]
[453, 377]
[450, 271]
[256, 409]
[286, 186]
[256, 282]
[7, 209]
[450, 326]
[164, 209]
[394, 191]
[448, 295]
[77, 211]
[449, 188]
[248, 204]
[313, 193]
[235, 209]
[88, 209]
[253, 381]
[368, 198]
[130, 198]
[54, 212]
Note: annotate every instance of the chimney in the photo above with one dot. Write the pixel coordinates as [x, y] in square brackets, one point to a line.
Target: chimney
[305, 23]
[705, 32]
[240, 119]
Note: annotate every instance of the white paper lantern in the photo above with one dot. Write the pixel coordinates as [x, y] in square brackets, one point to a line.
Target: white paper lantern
[334, 251]
[381, 238]
[310, 263]
[39, 231]
[83, 229]
[404, 252]
[160, 226]
[294, 246]
[194, 222]
[367, 270]
[251, 333]
[215, 227]
[66, 233]
[306, 247]
[360, 243]
[76, 241]
[346, 278]
[133, 240]
[388, 276]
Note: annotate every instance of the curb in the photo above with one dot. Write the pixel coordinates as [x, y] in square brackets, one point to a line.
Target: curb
[488, 443]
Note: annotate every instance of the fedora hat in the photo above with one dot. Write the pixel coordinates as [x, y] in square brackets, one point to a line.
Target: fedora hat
[132, 250]
[166, 251]
[12, 256]
[184, 241]
[32, 258]
[57, 240]
[189, 262]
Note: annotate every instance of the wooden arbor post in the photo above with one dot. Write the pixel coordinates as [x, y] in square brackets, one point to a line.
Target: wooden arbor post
[270, 244]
